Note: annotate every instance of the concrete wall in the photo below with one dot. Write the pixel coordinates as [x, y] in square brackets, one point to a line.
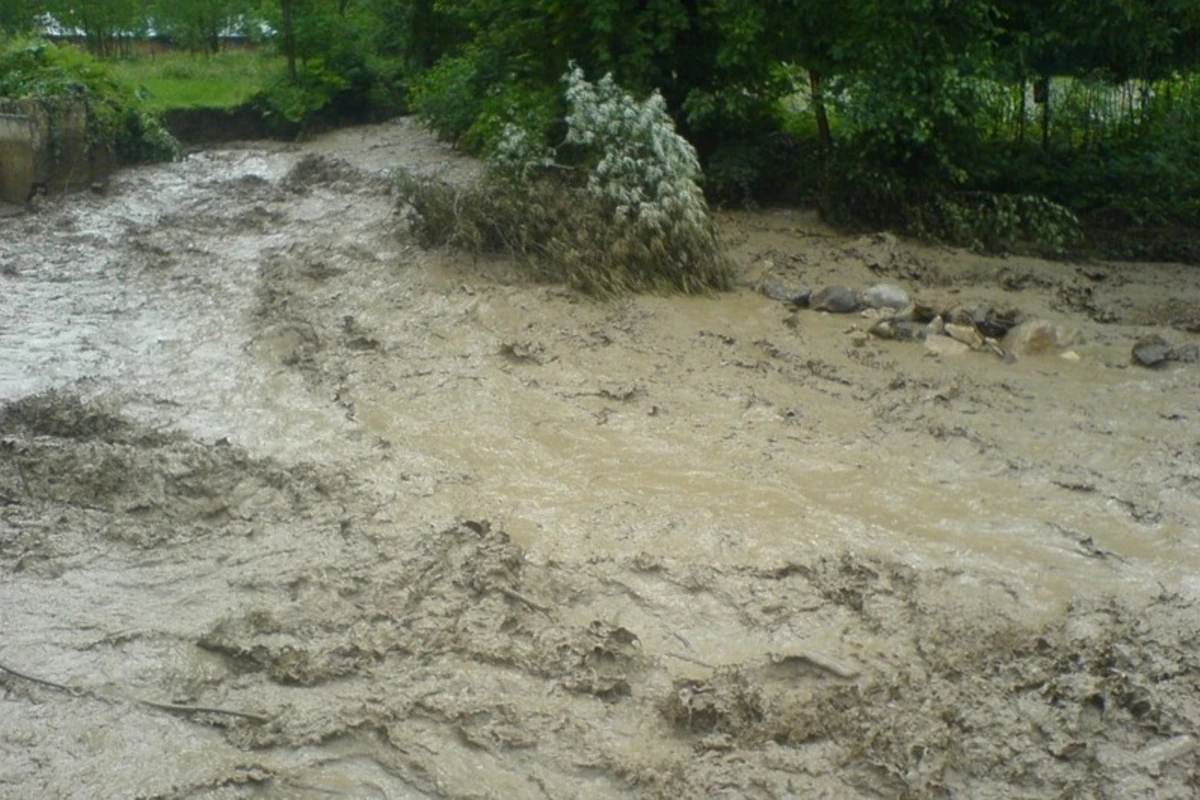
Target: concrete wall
[46, 145]
[17, 170]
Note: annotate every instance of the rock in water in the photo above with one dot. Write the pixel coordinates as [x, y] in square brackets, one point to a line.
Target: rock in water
[1032, 338]
[997, 322]
[1186, 353]
[965, 334]
[784, 292]
[965, 316]
[1037, 336]
[922, 312]
[900, 330]
[945, 346]
[1151, 351]
[885, 295]
[835, 300]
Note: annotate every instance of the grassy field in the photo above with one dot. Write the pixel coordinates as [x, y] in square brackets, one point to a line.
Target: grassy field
[185, 80]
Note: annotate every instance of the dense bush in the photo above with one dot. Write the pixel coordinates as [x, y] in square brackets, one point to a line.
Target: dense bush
[993, 222]
[979, 122]
[342, 66]
[324, 93]
[16, 17]
[925, 115]
[297, 100]
[449, 97]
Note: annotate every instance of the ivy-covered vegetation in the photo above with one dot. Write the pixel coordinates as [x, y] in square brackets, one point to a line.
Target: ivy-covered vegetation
[116, 119]
[992, 123]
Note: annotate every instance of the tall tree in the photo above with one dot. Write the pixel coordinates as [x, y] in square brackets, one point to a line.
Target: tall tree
[199, 24]
[17, 16]
[106, 24]
[288, 18]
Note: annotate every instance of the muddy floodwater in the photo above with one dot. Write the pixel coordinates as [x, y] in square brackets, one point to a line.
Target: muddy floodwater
[292, 508]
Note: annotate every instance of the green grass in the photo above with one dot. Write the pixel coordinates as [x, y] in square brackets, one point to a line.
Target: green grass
[185, 80]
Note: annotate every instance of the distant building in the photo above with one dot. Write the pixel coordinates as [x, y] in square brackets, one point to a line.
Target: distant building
[148, 41]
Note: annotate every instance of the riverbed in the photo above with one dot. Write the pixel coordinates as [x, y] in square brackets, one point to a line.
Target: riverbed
[291, 507]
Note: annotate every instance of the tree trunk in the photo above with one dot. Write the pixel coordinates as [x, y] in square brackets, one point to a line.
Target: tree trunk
[1023, 110]
[1041, 93]
[289, 36]
[818, 103]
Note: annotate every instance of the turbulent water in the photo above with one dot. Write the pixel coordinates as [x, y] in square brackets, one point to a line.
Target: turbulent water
[363, 520]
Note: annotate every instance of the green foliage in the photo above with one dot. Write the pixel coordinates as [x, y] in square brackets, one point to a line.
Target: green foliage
[36, 68]
[414, 31]
[107, 25]
[994, 223]
[537, 111]
[905, 104]
[769, 166]
[1123, 157]
[32, 68]
[385, 95]
[17, 16]
[298, 100]
[873, 107]
[197, 24]
[344, 59]
[518, 49]
[144, 138]
[629, 215]
[449, 97]
[733, 174]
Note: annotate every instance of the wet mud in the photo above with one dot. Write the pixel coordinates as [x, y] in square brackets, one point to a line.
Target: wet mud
[292, 508]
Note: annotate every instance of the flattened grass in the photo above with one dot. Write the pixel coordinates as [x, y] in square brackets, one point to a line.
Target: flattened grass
[186, 80]
[560, 233]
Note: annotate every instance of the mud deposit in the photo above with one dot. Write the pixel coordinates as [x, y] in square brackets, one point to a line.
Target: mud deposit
[290, 508]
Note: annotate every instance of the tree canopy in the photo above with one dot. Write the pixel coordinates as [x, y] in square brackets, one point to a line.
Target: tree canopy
[871, 107]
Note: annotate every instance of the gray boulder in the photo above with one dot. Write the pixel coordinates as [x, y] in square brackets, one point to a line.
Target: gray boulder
[784, 292]
[1151, 351]
[885, 295]
[835, 300]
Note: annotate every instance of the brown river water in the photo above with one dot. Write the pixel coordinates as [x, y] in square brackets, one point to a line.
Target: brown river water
[292, 508]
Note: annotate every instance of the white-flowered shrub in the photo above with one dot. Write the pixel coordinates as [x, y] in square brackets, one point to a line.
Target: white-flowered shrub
[626, 214]
[519, 154]
[646, 171]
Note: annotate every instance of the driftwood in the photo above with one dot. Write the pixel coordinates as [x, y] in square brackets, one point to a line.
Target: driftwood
[172, 707]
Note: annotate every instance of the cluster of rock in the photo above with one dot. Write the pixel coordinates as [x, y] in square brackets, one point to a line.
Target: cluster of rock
[1155, 351]
[944, 331]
